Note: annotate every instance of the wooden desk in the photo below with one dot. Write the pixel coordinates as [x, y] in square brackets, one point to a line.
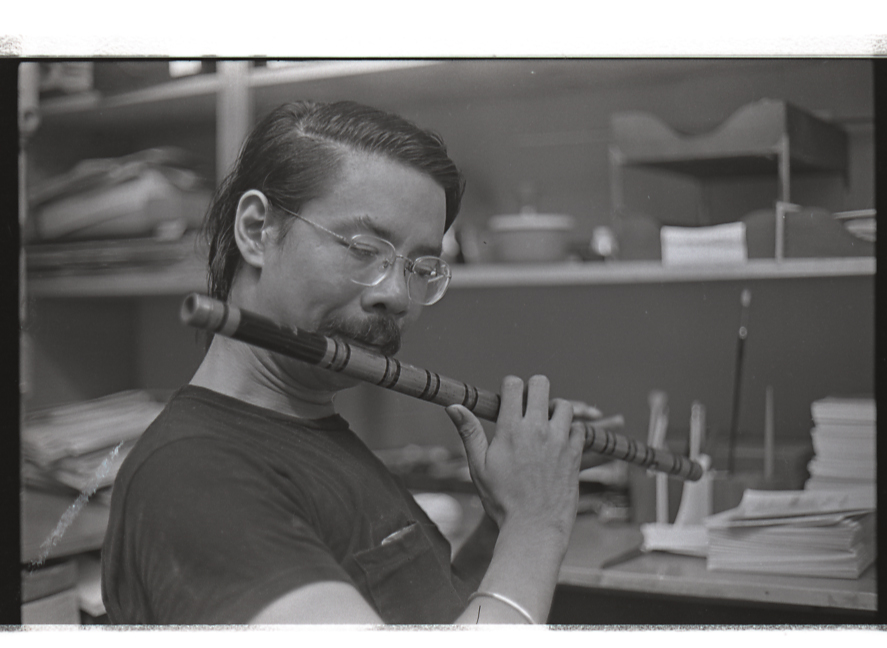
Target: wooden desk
[660, 583]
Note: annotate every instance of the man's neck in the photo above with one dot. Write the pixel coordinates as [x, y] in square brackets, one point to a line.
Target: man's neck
[253, 375]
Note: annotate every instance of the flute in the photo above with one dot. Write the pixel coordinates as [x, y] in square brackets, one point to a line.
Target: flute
[333, 354]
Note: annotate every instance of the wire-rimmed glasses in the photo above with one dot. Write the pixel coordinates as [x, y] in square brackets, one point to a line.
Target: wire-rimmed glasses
[369, 259]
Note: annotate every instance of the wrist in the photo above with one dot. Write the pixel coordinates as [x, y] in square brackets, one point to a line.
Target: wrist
[544, 542]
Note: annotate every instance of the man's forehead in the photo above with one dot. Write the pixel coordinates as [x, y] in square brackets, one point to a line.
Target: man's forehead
[387, 198]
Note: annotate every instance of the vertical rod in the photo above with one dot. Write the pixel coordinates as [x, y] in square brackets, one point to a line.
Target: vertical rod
[233, 114]
[769, 434]
[745, 300]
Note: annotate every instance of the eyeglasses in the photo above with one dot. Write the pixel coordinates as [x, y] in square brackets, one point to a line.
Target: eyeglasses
[369, 260]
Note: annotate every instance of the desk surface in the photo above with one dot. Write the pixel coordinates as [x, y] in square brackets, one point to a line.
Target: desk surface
[593, 543]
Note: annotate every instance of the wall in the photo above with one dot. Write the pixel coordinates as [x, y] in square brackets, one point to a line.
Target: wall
[611, 344]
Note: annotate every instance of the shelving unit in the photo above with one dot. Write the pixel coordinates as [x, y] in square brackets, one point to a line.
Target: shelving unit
[767, 137]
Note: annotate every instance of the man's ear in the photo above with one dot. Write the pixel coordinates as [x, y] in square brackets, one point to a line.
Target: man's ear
[251, 227]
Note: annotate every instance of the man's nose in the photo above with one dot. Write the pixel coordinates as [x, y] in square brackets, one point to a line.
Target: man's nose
[392, 293]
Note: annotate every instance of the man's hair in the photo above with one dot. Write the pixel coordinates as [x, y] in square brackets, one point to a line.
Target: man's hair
[295, 154]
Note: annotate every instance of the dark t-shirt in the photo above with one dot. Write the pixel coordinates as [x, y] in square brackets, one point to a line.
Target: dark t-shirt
[222, 507]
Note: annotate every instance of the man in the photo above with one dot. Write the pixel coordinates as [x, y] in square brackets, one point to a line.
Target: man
[249, 499]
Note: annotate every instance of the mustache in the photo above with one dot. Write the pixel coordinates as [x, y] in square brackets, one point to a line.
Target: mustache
[378, 332]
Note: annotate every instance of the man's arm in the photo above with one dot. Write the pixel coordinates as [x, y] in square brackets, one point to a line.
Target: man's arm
[325, 602]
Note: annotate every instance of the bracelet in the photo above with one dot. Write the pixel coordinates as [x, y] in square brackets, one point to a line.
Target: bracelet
[504, 599]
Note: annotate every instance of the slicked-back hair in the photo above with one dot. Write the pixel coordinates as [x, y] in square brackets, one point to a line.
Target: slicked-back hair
[295, 155]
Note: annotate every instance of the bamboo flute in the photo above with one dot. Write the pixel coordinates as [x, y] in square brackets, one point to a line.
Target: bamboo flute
[329, 353]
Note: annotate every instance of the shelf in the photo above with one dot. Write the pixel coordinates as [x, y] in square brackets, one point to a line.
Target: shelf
[299, 72]
[190, 98]
[185, 277]
[384, 82]
[766, 137]
[149, 281]
[635, 272]
[748, 143]
[194, 98]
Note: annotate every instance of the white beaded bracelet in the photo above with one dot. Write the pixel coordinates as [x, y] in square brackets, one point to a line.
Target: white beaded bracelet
[504, 599]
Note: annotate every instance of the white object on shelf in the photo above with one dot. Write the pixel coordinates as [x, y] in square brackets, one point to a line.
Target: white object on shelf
[718, 244]
[688, 534]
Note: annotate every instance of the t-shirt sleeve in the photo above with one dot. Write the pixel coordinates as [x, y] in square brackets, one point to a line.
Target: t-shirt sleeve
[213, 541]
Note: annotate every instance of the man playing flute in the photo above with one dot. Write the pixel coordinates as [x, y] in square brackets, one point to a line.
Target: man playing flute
[249, 500]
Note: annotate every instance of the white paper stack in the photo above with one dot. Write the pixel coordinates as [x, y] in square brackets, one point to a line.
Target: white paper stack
[803, 533]
[843, 443]
[73, 445]
[713, 245]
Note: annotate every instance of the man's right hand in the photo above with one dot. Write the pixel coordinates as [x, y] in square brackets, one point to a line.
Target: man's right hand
[527, 475]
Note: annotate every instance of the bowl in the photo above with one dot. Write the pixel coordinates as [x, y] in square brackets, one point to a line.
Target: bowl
[530, 238]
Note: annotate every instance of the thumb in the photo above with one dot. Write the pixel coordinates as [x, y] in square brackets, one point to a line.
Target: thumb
[472, 433]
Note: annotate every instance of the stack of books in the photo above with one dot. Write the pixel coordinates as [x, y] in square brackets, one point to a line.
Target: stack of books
[843, 437]
[828, 534]
[81, 446]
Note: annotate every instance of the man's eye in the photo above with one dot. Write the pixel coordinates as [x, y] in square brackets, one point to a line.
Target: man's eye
[363, 250]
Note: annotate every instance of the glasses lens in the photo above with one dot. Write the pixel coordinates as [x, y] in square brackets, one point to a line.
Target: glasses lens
[428, 280]
[369, 259]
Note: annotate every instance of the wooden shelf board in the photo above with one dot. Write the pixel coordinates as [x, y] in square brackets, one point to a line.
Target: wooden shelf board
[186, 277]
[298, 72]
[188, 98]
[629, 272]
[131, 282]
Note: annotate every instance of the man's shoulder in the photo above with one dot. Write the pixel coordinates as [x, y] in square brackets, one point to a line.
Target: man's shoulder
[219, 432]
[189, 427]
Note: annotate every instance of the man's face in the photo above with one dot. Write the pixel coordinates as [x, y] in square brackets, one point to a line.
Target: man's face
[303, 282]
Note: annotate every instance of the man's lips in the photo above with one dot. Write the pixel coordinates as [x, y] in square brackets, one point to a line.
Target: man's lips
[375, 348]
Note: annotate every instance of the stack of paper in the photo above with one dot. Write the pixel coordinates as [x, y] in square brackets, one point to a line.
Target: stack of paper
[802, 533]
[149, 193]
[843, 443]
[717, 244]
[74, 445]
